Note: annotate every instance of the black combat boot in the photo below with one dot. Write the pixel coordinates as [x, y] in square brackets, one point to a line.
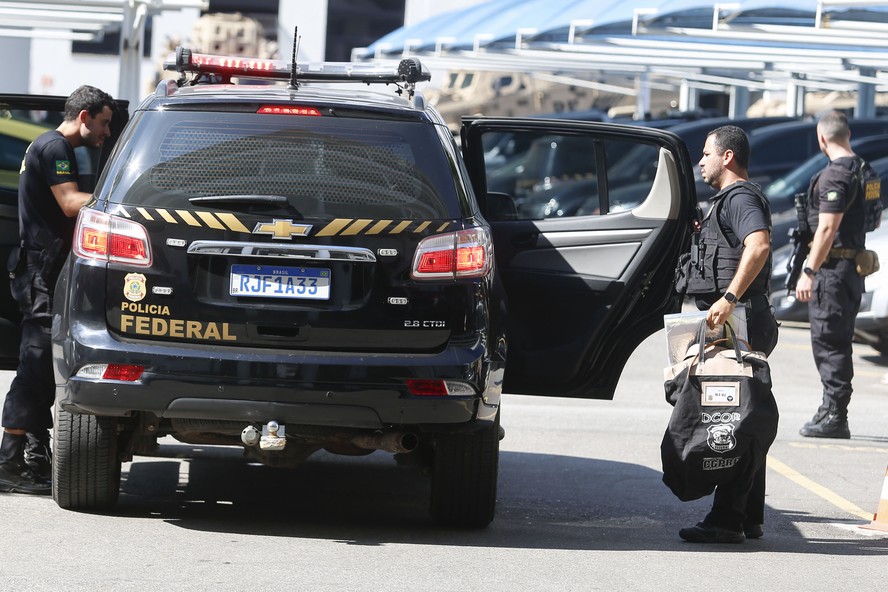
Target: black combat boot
[821, 414]
[833, 425]
[15, 476]
[38, 455]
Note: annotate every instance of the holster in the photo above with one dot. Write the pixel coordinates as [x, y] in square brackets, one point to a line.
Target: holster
[18, 260]
[867, 262]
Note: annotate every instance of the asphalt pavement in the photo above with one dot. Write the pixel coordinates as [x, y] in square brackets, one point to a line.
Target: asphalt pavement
[581, 506]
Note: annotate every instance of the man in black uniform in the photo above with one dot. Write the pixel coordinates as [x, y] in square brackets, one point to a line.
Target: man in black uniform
[734, 270]
[49, 199]
[830, 280]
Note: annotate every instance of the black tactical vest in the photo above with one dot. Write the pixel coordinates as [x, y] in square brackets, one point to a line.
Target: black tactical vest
[863, 205]
[717, 260]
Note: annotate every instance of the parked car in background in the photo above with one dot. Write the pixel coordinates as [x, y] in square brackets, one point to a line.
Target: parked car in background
[787, 308]
[781, 192]
[871, 325]
[694, 135]
[777, 149]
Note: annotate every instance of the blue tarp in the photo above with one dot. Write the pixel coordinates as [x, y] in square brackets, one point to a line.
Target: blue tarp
[501, 19]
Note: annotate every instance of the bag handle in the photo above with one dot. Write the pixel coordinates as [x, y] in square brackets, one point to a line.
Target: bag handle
[703, 345]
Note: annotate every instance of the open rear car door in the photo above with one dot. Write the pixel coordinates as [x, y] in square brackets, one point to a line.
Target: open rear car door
[588, 221]
[22, 119]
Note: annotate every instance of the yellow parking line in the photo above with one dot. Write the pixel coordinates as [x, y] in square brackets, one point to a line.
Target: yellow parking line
[827, 494]
[845, 447]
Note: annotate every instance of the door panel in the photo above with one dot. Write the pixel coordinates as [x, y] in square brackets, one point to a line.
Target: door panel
[587, 254]
[22, 119]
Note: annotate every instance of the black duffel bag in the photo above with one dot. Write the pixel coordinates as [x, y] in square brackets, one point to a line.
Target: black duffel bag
[724, 421]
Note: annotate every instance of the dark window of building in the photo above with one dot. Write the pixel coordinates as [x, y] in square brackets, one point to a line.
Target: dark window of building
[351, 24]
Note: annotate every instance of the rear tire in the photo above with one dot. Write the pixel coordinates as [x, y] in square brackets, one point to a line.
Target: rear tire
[464, 478]
[86, 464]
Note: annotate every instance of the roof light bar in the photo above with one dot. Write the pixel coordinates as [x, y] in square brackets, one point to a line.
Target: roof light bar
[408, 70]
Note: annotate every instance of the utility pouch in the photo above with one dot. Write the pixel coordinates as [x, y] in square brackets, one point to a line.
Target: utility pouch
[867, 262]
[801, 207]
[18, 260]
[682, 273]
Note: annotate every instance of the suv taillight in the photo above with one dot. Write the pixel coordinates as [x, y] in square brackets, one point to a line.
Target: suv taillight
[103, 237]
[467, 253]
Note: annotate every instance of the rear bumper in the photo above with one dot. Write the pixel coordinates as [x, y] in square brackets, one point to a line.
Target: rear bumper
[365, 391]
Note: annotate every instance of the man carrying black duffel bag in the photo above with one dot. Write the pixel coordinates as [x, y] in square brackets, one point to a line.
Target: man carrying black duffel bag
[730, 267]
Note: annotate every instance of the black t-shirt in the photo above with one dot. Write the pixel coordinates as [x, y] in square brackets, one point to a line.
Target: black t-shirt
[834, 188]
[742, 214]
[49, 160]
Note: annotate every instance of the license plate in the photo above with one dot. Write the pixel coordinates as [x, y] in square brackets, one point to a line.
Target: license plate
[271, 281]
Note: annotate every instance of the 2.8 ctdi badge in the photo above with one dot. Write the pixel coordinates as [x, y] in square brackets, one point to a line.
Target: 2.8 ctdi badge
[134, 286]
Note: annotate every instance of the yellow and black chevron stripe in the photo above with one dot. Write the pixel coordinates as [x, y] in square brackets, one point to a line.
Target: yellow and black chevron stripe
[351, 227]
[228, 221]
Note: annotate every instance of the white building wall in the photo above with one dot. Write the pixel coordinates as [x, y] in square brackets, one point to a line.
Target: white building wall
[14, 72]
[55, 70]
[311, 18]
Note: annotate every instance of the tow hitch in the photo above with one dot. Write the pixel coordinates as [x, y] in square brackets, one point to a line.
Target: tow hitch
[273, 436]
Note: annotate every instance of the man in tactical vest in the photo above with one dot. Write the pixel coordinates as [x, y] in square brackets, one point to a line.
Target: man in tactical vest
[732, 267]
[830, 280]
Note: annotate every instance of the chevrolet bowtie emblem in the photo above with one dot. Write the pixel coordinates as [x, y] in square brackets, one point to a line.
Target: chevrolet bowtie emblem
[282, 229]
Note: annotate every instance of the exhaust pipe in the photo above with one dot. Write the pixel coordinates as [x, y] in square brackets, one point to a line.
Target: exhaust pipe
[390, 441]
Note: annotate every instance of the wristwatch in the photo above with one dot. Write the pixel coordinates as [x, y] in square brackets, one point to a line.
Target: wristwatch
[730, 297]
[809, 272]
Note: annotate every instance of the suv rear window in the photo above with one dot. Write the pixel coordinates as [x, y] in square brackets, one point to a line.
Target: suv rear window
[324, 166]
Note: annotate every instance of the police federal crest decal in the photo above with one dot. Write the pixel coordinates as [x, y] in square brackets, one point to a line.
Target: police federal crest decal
[134, 287]
[721, 438]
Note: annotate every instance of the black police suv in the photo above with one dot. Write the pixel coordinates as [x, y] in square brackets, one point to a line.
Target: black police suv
[300, 263]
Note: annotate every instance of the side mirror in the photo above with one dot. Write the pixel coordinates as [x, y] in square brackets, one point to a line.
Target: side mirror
[500, 206]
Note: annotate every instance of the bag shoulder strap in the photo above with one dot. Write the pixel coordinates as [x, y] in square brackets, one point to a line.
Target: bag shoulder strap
[857, 173]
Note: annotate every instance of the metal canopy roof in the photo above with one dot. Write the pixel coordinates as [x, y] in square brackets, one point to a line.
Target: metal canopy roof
[88, 20]
[784, 45]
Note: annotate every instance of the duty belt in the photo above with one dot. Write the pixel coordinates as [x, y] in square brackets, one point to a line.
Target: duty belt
[843, 253]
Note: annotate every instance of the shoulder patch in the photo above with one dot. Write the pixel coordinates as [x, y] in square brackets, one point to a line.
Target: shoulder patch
[832, 195]
[63, 167]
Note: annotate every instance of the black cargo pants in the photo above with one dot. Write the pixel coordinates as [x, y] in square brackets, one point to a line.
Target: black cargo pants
[835, 302]
[32, 392]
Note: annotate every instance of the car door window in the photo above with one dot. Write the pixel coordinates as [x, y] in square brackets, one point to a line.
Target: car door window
[562, 176]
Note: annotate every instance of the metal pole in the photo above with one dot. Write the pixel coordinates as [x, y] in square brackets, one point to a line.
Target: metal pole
[643, 100]
[687, 97]
[739, 102]
[132, 38]
[866, 96]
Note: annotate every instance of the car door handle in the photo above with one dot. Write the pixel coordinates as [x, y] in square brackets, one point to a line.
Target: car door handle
[527, 239]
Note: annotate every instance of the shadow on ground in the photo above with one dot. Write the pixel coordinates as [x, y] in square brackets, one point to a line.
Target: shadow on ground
[544, 501]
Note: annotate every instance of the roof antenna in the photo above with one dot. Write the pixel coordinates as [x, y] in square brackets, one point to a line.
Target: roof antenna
[293, 68]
